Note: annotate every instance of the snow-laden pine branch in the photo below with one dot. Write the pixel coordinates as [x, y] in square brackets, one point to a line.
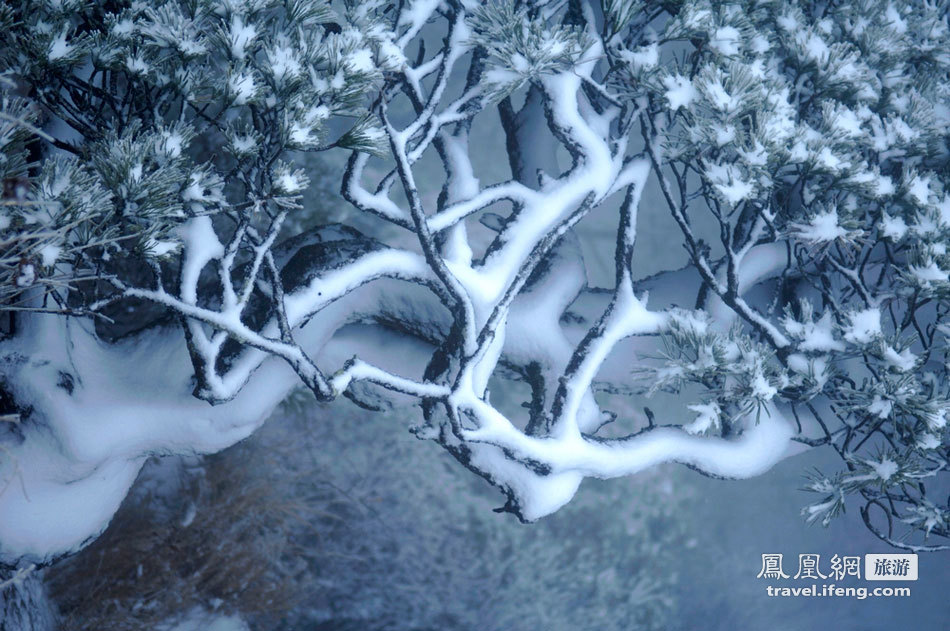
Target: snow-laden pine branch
[799, 320]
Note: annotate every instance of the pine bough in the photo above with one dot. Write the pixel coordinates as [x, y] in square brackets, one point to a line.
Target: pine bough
[164, 288]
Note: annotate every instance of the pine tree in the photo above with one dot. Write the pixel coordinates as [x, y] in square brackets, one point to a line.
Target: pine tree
[164, 288]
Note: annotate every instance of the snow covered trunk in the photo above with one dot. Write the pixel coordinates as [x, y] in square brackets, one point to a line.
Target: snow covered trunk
[25, 606]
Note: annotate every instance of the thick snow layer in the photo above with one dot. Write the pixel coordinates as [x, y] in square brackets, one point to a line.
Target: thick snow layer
[759, 447]
[128, 401]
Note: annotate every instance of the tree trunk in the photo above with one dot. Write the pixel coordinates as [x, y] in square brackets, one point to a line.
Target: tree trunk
[25, 606]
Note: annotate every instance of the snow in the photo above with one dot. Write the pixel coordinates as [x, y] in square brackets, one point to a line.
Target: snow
[758, 447]
[893, 228]
[788, 23]
[822, 228]
[885, 469]
[170, 144]
[830, 161]
[846, 121]
[26, 275]
[762, 389]
[756, 156]
[895, 20]
[905, 361]
[194, 191]
[537, 495]
[815, 368]
[929, 515]
[760, 45]
[798, 152]
[919, 190]
[936, 421]
[864, 327]
[879, 407]
[697, 18]
[717, 95]
[725, 134]
[240, 36]
[123, 28]
[161, 248]
[897, 128]
[679, 91]
[725, 41]
[729, 183]
[283, 62]
[134, 400]
[303, 136]
[243, 87]
[814, 336]
[361, 61]
[201, 246]
[49, 253]
[392, 57]
[416, 13]
[199, 619]
[821, 510]
[136, 65]
[779, 124]
[928, 441]
[929, 273]
[244, 144]
[58, 48]
[135, 172]
[816, 49]
[707, 419]
[885, 186]
[643, 58]
[925, 225]
[290, 182]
